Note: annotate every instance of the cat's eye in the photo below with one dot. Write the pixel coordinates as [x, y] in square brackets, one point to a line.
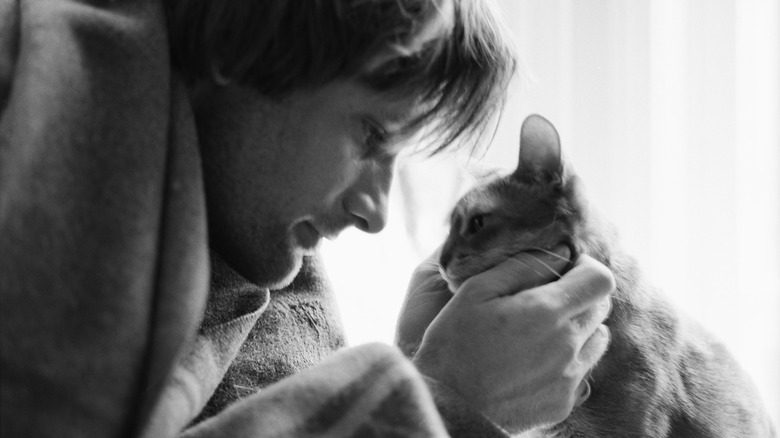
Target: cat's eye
[476, 223]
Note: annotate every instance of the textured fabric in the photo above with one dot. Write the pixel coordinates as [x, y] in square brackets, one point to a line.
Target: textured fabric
[104, 260]
[103, 273]
[300, 327]
[366, 391]
[233, 308]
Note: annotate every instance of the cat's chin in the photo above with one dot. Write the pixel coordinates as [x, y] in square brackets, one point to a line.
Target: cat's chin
[452, 285]
[465, 271]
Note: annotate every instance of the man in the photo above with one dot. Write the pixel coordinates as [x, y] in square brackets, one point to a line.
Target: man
[295, 112]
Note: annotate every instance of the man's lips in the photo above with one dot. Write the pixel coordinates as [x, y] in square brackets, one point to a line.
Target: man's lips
[330, 229]
[308, 237]
[309, 234]
[330, 235]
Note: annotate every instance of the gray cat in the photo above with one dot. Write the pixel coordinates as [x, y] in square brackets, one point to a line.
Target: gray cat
[663, 375]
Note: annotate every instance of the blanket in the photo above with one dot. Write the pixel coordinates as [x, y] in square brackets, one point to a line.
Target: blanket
[299, 329]
[105, 264]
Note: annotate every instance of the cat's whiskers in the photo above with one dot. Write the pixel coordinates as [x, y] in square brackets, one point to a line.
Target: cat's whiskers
[506, 253]
[548, 267]
[551, 253]
[543, 263]
[531, 267]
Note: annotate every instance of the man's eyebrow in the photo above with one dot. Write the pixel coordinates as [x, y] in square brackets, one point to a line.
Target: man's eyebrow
[394, 116]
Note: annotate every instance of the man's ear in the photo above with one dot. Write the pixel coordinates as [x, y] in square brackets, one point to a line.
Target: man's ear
[540, 151]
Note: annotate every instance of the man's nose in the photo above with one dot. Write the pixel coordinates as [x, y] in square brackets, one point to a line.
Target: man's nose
[367, 201]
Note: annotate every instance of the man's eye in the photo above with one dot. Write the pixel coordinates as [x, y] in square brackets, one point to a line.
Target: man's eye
[375, 137]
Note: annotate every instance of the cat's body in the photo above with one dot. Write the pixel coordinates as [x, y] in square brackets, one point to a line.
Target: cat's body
[663, 375]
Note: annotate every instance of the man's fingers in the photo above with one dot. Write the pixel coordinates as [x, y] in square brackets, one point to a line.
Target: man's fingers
[594, 347]
[420, 308]
[590, 353]
[525, 270]
[426, 296]
[585, 285]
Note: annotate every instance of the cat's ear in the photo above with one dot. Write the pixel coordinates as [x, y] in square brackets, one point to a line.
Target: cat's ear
[540, 151]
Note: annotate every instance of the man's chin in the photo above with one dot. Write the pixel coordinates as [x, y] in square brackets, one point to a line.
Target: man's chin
[276, 272]
[295, 268]
[280, 271]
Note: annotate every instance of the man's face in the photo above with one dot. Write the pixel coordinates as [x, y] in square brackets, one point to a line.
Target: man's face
[280, 175]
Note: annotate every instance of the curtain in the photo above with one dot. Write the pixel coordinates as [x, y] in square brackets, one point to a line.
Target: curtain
[670, 112]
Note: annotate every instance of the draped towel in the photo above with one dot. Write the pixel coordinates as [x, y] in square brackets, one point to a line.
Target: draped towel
[104, 262]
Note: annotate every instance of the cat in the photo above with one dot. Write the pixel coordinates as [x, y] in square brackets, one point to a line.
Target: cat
[662, 375]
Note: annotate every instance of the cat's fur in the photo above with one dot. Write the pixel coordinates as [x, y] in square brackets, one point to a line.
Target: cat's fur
[663, 376]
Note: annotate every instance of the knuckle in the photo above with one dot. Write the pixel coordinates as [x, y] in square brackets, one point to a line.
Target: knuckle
[569, 351]
[603, 279]
[543, 307]
[564, 356]
[569, 340]
[572, 377]
[596, 346]
[573, 346]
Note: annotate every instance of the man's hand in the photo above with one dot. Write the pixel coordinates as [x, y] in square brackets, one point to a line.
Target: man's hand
[519, 358]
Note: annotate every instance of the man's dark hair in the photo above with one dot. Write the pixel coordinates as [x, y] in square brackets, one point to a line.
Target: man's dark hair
[453, 54]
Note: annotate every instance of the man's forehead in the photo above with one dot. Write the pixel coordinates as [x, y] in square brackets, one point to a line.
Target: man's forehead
[399, 114]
